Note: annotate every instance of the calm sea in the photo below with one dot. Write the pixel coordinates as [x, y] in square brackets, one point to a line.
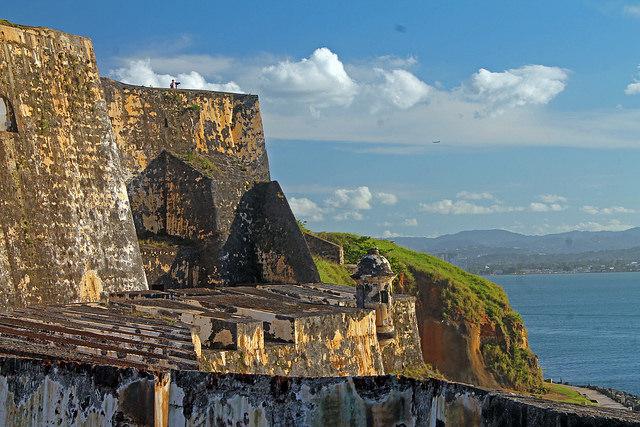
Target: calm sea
[585, 328]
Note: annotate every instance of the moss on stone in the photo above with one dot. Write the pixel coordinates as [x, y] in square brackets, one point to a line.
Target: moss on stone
[200, 162]
[419, 372]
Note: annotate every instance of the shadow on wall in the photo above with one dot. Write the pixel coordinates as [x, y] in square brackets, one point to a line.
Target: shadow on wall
[265, 244]
[200, 229]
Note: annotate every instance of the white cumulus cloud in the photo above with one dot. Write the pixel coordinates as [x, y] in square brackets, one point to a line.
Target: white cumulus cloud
[357, 198]
[401, 88]
[319, 80]
[139, 72]
[304, 208]
[387, 198]
[527, 85]
[546, 207]
[632, 88]
[382, 100]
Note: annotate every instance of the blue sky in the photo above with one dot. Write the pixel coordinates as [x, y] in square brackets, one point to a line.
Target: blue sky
[536, 104]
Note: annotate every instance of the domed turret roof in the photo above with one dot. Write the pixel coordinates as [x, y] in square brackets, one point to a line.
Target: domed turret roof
[373, 265]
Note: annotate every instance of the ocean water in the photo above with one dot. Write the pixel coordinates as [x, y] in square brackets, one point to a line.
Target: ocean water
[585, 328]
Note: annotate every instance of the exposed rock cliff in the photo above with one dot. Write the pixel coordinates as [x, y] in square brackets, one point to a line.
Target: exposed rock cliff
[473, 335]
[468, 330]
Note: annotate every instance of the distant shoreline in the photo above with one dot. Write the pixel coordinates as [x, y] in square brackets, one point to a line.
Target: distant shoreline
[557, 273]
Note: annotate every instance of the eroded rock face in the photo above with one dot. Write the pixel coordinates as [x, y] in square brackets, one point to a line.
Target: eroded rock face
[66, 232]
[462, 350]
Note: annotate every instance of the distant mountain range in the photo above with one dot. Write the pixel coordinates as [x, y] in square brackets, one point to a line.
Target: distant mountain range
[483, 251]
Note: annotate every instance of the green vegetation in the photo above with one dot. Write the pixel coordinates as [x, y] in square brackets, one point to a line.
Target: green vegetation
[467, 296]
[464, 297]
[330, 272]
[562, 393]
[421, 372]
[11, 24]
[194, 107]
[302, 225]
[200, 162]
[513, 367]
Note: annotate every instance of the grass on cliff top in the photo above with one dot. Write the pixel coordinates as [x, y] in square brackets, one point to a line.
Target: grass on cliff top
[467, 296]
[562, 393]
[11, 24]
[330, 272]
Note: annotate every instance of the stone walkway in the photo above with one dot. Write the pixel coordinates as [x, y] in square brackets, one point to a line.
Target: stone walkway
[602, 400]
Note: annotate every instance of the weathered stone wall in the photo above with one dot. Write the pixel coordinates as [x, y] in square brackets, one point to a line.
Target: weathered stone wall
[170, 266]
[330, 345]
[198, 398]
[282, 255]
[66, 232]
[324, 248]
[35, 393]
[149, 120]
[241, 232]
[404, 352]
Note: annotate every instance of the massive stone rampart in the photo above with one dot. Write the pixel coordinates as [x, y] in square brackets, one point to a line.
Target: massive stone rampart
[33, 393]
[148, 120]
[198, 172]
[225, 230]
[66, 232]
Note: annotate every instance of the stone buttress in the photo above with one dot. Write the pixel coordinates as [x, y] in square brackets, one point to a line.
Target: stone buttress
[66, 231]
[205, 208]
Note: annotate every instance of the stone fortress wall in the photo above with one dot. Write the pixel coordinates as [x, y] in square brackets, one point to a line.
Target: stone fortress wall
[324, 248]
[66, 232]
[205, 214]
[84, 394]
[199, 185]
[148, 120]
